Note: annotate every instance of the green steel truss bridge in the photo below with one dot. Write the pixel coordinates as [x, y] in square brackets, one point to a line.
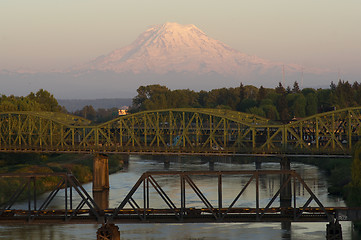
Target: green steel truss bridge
[181, 131]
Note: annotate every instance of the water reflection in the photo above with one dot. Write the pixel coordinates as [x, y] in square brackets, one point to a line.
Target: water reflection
[122, 182]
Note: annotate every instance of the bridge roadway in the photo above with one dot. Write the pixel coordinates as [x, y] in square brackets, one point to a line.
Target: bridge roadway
[181, 131]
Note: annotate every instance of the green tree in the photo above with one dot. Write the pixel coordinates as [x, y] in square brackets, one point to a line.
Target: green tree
[311, 104]
[247, 104]
[262, 94]
[282, 105]
[87, 112]
[150, 98]
[46, 101]
[257, 111]
[356, 166]
[7, 106]
[270, 112]
[296, 88]
[299, 106]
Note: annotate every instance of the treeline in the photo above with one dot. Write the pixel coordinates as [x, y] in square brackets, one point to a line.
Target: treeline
[280, 103]
[42, 100]
[97, 116]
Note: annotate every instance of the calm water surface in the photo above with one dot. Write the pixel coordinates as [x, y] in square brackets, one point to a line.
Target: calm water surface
[123, 181]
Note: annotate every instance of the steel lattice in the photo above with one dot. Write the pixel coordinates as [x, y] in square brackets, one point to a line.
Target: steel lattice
[192, 131]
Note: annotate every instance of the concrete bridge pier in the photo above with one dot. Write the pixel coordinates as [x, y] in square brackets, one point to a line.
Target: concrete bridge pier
[108, 231]
[100, 172]
[334, 231]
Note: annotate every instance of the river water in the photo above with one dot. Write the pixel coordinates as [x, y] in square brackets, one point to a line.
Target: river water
[123, 181]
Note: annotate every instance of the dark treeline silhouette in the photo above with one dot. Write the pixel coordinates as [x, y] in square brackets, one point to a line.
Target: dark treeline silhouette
[98, 116]
[280, 103]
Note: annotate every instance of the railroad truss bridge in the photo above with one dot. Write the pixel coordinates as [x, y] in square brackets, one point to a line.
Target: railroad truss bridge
[153, 200]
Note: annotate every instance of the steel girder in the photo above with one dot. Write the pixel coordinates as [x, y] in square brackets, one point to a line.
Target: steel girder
[181, 131]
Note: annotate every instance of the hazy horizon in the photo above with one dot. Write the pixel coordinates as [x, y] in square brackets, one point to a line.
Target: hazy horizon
[43, 36]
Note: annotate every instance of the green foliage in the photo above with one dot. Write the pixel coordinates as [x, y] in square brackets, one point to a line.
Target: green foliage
[257, 111]
[279, 103]
[39, 101]
[311, 104]
[46, 100]
[246, 104]
[356, 166]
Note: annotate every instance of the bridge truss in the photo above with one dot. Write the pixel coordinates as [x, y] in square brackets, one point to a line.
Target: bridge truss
[171, 197]
[181, 131]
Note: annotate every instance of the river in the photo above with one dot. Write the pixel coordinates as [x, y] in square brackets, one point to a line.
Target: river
[123, 181]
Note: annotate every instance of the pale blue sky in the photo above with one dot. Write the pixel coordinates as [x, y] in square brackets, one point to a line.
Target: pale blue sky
[48, 34]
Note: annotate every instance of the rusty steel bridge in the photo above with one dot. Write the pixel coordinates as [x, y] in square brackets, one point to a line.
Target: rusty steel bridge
[181, 131]
[151, 201]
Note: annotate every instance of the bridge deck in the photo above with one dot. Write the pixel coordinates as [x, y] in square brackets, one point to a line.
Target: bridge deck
[193, 215]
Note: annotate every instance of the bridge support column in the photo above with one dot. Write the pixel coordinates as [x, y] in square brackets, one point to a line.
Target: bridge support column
[108, 232]
[334, 231]
[100, 172]
[166, 163]
[101, 198]
[211, 163]
[258, 163]
[286, 193]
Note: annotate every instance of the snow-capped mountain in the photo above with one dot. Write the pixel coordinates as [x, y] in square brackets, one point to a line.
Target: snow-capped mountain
[173, 47]
[174, 55]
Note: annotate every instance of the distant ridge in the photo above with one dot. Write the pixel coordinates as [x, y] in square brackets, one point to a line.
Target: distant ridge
[73, 105]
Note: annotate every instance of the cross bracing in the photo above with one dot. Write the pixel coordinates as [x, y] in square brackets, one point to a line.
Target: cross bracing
[186, 130]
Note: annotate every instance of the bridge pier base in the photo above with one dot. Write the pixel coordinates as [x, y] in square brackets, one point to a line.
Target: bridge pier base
[108, 232]
[211, 163]
[286, 227]
[166, 163]
[334, 231]
[258, 163]
[100, 172]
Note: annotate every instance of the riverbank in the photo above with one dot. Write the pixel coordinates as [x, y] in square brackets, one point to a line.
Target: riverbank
[81, 165]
